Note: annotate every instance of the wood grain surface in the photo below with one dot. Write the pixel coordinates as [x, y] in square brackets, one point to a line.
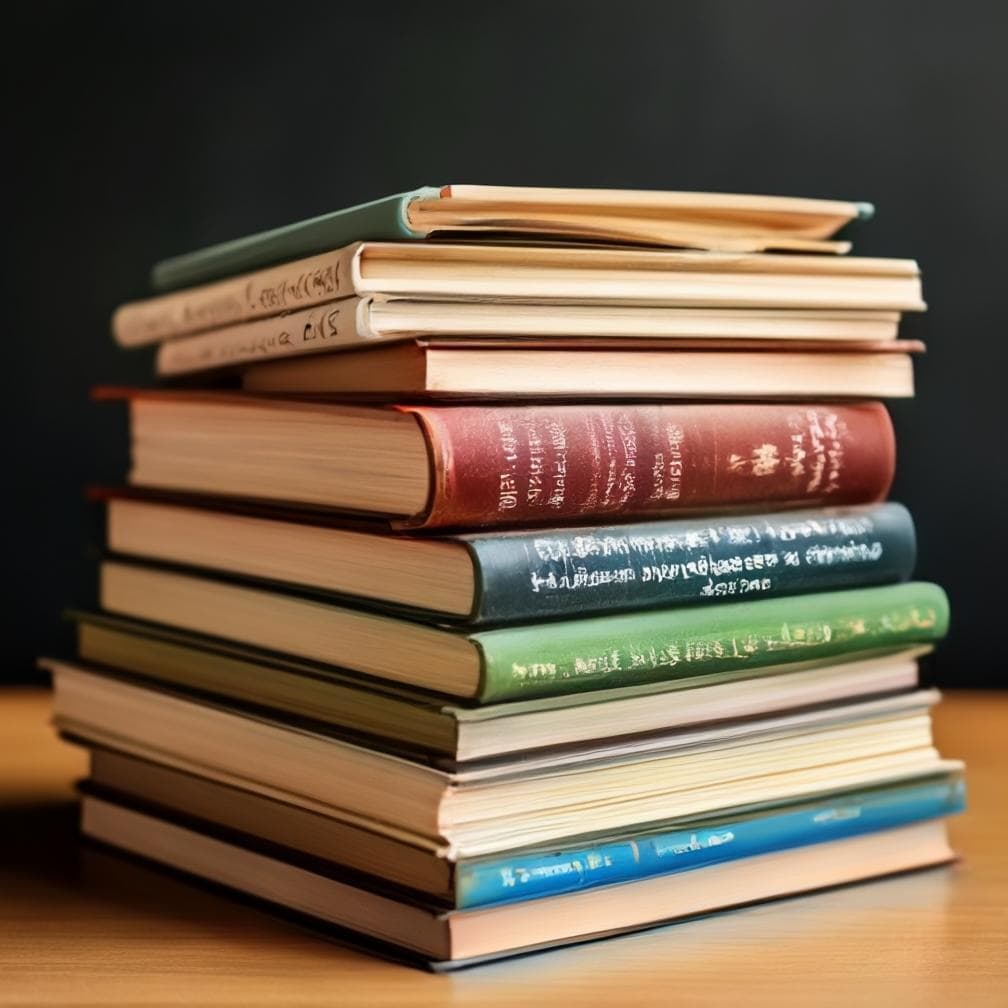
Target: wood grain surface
[82, 927]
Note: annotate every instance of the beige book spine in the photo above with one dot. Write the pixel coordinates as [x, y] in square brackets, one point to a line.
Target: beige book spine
[313, 330]
[290, 286]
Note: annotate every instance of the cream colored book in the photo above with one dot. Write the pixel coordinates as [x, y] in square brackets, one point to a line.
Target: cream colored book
[531, 274]
[508, 803]
[356, 323]
[723, 221]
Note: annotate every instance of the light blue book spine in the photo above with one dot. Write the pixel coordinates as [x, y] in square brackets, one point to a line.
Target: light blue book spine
[530, 876]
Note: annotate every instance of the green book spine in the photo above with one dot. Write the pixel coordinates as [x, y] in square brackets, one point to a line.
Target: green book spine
[380, 220]
[575, 656]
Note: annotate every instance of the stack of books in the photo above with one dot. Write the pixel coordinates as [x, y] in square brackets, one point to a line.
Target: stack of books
[503, 568]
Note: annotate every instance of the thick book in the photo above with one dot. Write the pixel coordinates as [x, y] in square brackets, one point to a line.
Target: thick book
[572, 865]
[523, 576]
[356, 322]
[528, 799]
[414, 721]
[532, 274]
[534, 659]
[438, 466]
[451, 938]
[448, 369]
[725, 221]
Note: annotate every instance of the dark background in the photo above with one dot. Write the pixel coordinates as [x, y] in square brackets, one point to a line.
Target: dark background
[137, 131]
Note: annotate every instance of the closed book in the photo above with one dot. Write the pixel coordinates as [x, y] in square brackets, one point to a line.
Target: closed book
[504, 804]
[518, 276]
[364, 324]
[522, 576]
[572, 865]
[449, 939]
[358, 322]
[535, 659]
[702, 220]
[510, 464]
[449, 369]
[410, 720]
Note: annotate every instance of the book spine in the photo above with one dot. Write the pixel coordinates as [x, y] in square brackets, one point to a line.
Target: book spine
[618, 568]
[531, 876]
[293, 286]
[312, 330]
[549, 659]
[507, 465]
[381, 220]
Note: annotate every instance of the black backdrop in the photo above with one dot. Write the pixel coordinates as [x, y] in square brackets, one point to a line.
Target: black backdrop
[140, 130]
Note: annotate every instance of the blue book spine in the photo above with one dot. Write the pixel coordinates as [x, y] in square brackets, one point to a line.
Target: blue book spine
[534, 875]
[580, 571]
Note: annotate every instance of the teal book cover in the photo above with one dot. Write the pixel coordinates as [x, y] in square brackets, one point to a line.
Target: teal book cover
[380, 220]
[569, 573]
[537, 874]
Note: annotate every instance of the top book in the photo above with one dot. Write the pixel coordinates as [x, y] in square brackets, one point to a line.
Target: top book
[716, 221]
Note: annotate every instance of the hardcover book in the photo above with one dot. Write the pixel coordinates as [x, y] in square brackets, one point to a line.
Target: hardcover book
[411, 720]
[473, 466]
[523, 576]
[535, 659]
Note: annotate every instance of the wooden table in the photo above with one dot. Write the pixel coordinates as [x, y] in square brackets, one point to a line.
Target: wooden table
[81, 927]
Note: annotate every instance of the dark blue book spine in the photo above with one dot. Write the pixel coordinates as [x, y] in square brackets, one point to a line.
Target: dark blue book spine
[530, 876]
[559, 573]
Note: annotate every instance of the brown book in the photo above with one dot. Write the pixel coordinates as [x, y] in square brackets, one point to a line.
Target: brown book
[682, 369]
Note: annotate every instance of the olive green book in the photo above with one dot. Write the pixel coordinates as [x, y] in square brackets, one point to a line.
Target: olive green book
[538, 659]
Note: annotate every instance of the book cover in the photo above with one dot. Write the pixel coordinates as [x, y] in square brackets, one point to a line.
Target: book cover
[540, 464]
[533, 464]
[608, 651]
[379, 220]
[534, 874]
[524, 576]
[730, 222]
[545, 658]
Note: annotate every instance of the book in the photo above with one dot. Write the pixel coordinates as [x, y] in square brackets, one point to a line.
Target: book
[522, 576]
[700, 220]
[459, 368]
[414, 721]
[439, 466]
[572, 865]
[357, 323]
[534, 659]
[501, 279]
[461, 937]
[522, 801]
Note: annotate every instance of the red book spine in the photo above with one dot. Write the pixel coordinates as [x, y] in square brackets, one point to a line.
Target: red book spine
[530, 465]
